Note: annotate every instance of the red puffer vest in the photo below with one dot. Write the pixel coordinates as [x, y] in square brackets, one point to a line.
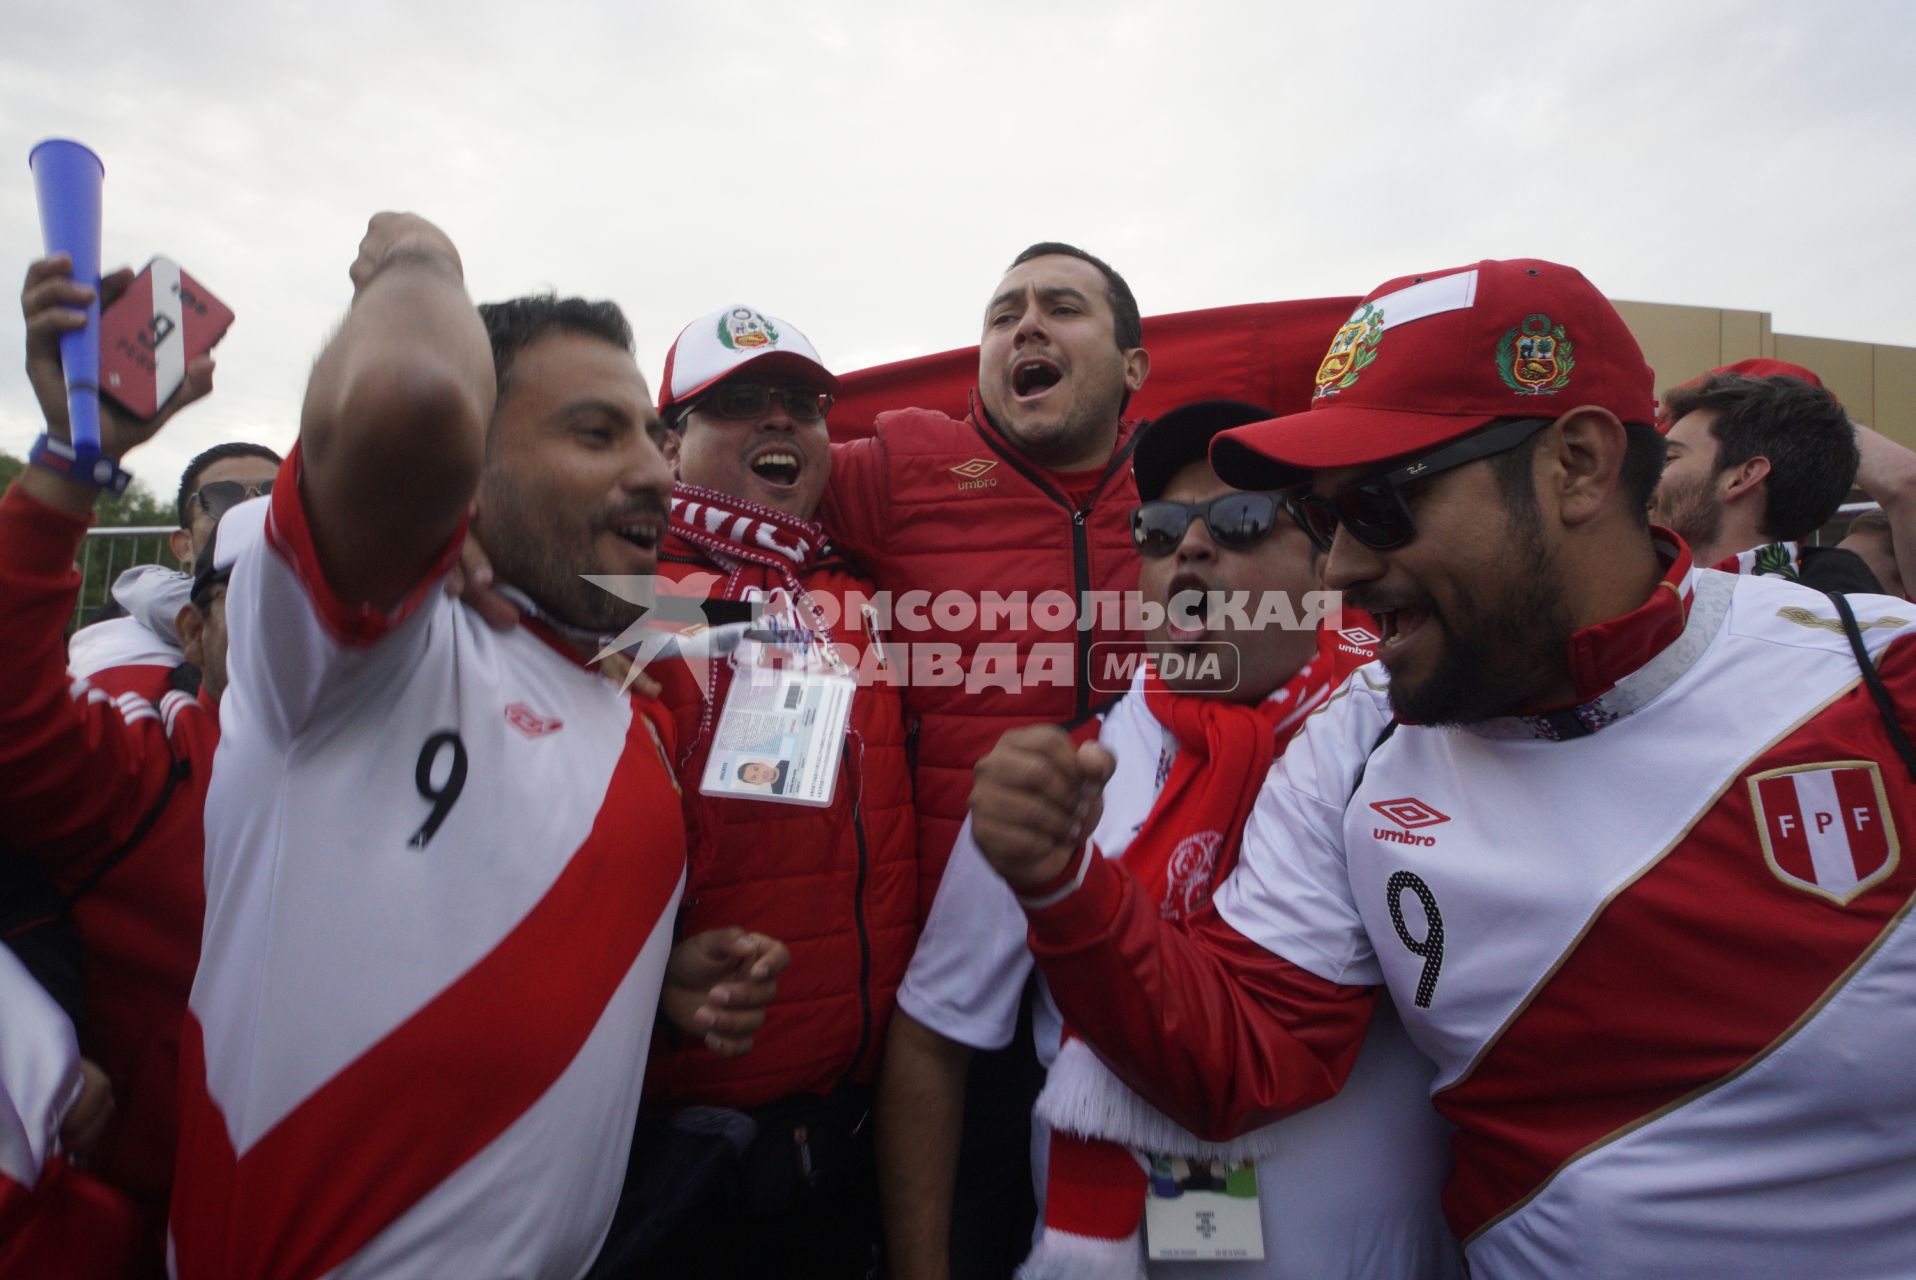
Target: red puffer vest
[935, 504]
[836, 885]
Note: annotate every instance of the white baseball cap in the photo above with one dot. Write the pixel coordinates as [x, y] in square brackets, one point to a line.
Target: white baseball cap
[730, 340]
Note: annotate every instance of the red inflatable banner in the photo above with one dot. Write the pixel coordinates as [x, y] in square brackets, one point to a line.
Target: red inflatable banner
[1266, 353]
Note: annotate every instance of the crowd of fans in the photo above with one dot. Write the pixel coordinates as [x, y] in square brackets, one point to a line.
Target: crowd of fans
[528, 838]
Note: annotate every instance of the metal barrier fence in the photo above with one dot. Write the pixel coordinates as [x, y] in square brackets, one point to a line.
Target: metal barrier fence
[109, 553]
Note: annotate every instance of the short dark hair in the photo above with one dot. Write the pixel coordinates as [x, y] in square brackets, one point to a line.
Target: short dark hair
[1129, 325]
[190, 478]
[1802, 429]
[1642, 468]
[517, 323]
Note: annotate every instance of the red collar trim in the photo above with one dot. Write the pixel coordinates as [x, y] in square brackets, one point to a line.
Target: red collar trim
[1605, 652]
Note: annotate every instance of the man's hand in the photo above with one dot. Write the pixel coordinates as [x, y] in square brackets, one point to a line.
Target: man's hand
[392, 237]
[1887, 470]
[1034, 799]
[717, 985]
[85, 1124]
[53, 303]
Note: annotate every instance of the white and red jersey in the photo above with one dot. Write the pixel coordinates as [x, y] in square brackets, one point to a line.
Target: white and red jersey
[441, 869]
[1658, 948]
[1347, 1189]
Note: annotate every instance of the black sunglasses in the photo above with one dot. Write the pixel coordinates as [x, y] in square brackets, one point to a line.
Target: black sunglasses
[750, 399]
[220, 496]
[1374, 510]
[1236, 521]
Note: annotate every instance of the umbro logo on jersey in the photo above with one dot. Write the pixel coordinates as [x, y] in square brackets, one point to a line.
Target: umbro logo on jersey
[1826, 827]
[1408, 813]
[530, 722]
[1362, 637]
[972, 474]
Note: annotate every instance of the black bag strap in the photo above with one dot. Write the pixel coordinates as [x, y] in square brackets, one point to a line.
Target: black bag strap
[1885, 705]
[176, 773]
[1382, 738]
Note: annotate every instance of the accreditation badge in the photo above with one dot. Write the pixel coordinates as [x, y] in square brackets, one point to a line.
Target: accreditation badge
[781, 733]
[1199, 1210]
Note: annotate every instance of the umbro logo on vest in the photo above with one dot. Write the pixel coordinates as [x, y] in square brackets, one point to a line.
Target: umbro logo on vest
[530, 722]
[1826, 827]
[972, 473]
[1408, 813]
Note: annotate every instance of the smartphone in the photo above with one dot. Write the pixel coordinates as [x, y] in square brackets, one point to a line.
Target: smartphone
[165, 320]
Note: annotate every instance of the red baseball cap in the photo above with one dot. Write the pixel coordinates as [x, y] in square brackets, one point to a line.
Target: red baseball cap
[1755, 367]
[1431, 357]
[1764, 367]
[731, 340]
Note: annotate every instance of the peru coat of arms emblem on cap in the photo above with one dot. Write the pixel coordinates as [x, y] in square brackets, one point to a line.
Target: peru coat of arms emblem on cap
[1534, 357]
[743, 329]
[1352, 347]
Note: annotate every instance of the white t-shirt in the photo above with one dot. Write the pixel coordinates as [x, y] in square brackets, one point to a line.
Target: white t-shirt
[1354, 1189]
[442, 864]
[1665, 967]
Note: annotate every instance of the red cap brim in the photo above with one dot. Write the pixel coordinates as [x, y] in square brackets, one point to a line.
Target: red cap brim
[1283, 452]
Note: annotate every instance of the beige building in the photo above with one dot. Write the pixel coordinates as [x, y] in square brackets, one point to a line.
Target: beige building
[1876, 383]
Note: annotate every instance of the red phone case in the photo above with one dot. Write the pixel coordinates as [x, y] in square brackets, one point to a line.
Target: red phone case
[165, 320]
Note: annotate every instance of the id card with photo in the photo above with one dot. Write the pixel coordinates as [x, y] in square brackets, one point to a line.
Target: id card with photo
[780, 735]
[1203, 1210]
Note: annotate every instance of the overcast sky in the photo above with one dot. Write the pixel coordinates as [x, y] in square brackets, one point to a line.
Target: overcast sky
[866, 170]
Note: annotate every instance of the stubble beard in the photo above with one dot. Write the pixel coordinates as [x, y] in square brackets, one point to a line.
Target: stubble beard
[1691, 514]
[534, 557]
[1500, 653]
[1050, 444]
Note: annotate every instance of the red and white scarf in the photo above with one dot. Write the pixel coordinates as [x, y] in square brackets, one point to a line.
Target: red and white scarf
[735, 532]
[1095, 1187]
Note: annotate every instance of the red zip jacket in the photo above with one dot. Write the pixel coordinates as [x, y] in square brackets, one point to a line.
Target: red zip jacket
[80, 774]
[836, 885]
[935, 504]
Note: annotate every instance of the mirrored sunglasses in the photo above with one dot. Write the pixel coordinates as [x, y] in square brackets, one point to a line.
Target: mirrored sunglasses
[218, 497]
[1235, 521]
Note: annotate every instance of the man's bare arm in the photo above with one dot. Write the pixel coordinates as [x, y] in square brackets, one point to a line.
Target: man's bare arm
[1888, 474]
[921, 1108]
[392, 433]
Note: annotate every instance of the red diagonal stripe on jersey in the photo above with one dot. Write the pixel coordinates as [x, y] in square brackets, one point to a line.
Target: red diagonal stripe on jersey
[1687, 976]
[412, 1109]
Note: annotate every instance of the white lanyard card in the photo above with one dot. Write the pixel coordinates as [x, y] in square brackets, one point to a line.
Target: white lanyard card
[1203, 1210]
[780, 735]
